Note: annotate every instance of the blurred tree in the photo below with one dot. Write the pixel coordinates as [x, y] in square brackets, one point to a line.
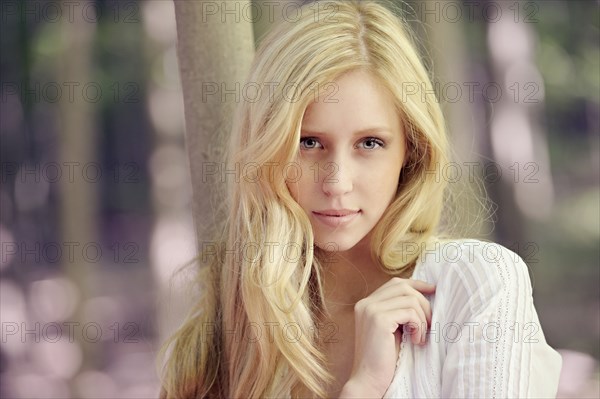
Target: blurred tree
[79, 205]
[215, 49]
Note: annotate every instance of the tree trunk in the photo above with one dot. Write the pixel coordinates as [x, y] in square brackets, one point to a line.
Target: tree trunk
[215, 48]
[79, 202]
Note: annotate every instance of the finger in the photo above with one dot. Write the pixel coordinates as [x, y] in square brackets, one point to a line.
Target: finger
[422, 286]
[396, 283]
[402, 311]
[414, 299]
[417, 332]
[392, 318]
[399, 291]
[412, 324]
[406, 302]
[418, 284]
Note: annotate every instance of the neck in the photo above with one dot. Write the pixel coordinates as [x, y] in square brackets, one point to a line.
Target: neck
[350, 276]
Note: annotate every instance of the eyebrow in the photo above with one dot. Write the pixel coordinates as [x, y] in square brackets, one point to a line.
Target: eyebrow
[370, 130]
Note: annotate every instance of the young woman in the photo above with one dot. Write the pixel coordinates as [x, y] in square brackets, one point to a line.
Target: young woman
[332, 278]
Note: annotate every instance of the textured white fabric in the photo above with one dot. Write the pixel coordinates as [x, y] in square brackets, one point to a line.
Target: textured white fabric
[485, 340]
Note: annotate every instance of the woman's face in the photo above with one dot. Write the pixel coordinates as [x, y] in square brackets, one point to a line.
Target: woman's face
[352, 149]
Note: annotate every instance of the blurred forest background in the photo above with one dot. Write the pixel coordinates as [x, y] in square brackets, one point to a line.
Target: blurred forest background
[96, 201]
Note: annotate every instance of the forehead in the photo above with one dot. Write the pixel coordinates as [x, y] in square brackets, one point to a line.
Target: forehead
[355, 101]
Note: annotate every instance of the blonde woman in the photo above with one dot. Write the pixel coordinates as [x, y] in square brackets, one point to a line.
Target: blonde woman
[332, 278]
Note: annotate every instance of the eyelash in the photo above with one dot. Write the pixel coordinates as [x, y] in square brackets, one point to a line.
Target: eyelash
[377, 141]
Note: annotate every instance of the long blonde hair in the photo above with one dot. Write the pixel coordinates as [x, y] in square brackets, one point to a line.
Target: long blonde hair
[254, 331]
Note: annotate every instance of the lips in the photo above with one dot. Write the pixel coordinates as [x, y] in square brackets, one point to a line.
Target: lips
[336, 218]
[336, 212]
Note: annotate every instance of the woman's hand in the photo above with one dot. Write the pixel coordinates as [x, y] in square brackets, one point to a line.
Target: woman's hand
[377, 319]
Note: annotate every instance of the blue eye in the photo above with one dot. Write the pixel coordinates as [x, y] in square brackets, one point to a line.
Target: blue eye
[309, 142]
[375, 141]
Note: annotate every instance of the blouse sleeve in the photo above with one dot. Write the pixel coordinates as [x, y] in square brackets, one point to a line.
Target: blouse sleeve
[501, 351]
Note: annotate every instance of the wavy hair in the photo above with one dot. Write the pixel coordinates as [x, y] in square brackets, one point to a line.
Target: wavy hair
[253, 333]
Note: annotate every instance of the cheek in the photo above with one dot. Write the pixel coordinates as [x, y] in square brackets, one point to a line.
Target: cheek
[383, 191]
[388, 174]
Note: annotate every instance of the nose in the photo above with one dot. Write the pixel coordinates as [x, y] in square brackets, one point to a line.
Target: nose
[337, 178]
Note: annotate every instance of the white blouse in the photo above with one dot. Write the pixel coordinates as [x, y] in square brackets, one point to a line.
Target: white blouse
[485, 339]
